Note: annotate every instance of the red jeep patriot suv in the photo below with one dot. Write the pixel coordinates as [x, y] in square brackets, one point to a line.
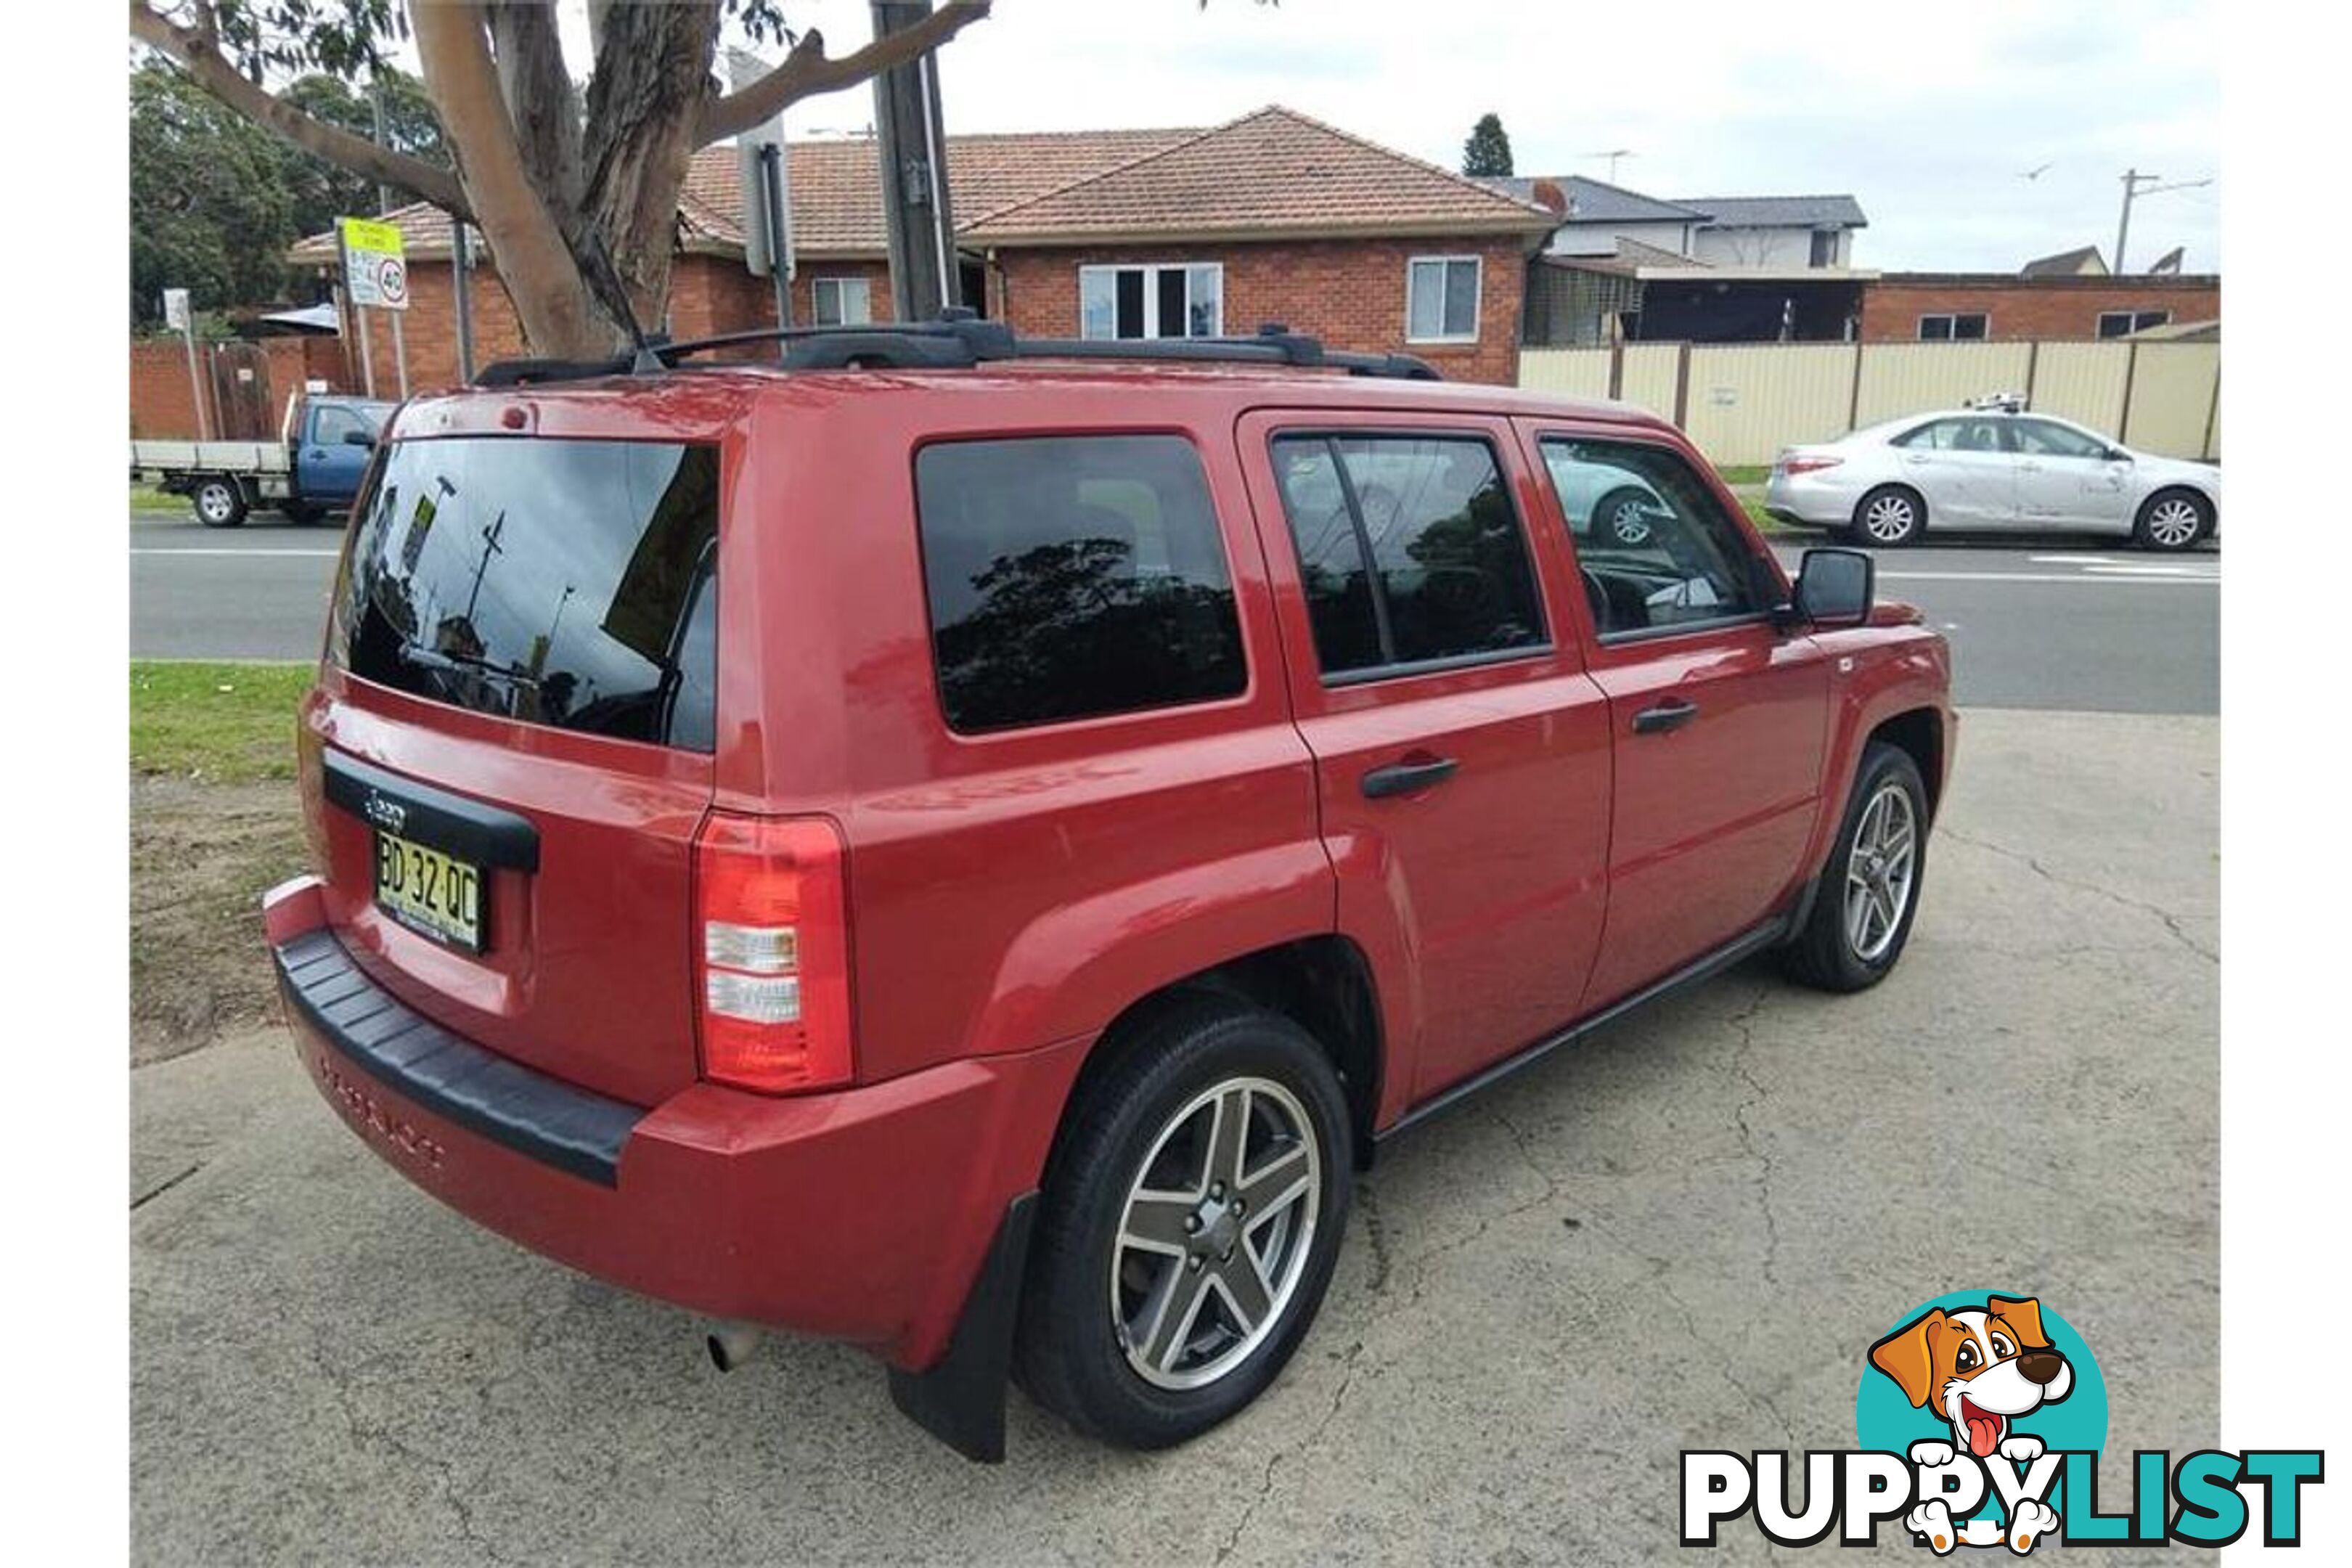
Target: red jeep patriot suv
[966, 844]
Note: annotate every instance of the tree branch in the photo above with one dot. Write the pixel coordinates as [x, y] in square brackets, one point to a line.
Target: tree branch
[806, 71]
[200, 56]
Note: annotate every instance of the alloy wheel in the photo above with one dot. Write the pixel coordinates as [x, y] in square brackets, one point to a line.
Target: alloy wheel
[1879, 871]
[1629, 522]
[2173, 522]
[1889, 519]
[214, 502]
[1215, 1235]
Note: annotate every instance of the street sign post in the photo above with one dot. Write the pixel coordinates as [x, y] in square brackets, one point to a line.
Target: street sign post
[177, 315]
[375, 273]
[762, 170]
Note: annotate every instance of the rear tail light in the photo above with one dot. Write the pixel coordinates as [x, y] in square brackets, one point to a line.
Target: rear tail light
[775, 961]
[1808, 465]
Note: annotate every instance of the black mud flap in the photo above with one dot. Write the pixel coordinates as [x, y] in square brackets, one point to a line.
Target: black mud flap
[1801, 909]
[960, 1399]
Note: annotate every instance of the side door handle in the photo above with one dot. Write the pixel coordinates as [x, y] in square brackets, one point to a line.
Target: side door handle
[1405, 778]
[1671, 714]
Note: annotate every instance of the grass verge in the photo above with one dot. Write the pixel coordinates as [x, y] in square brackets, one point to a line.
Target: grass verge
[147, 497]
[214, 821]
[215, 723]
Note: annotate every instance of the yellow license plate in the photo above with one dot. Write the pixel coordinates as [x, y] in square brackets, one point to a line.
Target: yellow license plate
[429, 891]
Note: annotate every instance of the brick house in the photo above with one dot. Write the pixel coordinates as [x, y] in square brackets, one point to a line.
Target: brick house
[1156, 233]
[1946, 307]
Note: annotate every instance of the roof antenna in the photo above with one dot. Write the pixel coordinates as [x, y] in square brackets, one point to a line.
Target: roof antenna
[605, 281]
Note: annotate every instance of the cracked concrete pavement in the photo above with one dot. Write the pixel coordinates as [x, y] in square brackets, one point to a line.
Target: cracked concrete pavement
[1685, 1234]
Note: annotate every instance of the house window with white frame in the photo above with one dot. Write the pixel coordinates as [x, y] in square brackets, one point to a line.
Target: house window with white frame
[1441, 302]
[2124, 323]
[842, 301]
[1958, 327]
[1152, 299]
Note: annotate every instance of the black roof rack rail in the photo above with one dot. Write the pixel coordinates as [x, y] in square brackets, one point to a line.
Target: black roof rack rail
[960, 340]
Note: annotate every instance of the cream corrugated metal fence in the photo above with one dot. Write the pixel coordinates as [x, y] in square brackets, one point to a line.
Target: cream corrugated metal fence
[1741, 403]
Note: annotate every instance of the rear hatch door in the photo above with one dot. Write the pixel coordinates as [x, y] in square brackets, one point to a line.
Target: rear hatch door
[509, 750]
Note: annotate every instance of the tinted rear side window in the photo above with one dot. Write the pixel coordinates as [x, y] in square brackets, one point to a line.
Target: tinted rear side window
[1408, 549]
[1073, 575]
[571, 584]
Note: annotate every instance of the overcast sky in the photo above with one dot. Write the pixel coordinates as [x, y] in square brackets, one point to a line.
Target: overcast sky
[1927, 117]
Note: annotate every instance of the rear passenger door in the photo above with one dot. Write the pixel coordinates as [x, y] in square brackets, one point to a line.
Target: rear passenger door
[1462, 754]
[1964, 467]
[1719, 716]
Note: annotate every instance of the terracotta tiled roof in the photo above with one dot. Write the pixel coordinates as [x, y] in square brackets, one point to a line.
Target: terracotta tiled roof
[424, 231]
[837, 193]
[1276, 172]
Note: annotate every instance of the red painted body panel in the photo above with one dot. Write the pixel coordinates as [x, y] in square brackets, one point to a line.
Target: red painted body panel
[1487, 890]
[860, 1215]
[1011, 894]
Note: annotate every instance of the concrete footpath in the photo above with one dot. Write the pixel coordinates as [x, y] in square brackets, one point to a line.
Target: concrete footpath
[1684, 1235]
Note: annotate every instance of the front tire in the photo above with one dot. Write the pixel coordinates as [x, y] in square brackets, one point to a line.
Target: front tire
[300, 511]
[2172, 521]
[1189, 1219]
[219, 502]
[1860, 918]
[1891, 516]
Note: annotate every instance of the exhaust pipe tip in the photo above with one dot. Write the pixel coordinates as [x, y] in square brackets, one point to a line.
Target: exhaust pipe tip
[731, 1344]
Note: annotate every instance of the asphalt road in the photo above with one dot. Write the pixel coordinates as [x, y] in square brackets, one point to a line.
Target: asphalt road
[2067, 625]
[1685, 1234]
[2041, 625]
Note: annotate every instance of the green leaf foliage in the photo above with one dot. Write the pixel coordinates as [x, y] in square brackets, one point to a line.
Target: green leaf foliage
[1487, 153]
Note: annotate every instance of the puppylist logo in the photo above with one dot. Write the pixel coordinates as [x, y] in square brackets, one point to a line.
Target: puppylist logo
[1980, 1420]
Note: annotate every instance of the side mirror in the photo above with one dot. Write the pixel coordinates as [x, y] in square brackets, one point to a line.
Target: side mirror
[358, 438]
[1835, 587]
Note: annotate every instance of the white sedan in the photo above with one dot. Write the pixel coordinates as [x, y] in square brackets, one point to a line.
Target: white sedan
[1992, 469]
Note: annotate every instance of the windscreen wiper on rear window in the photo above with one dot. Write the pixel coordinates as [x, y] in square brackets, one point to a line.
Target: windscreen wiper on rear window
[463, 663]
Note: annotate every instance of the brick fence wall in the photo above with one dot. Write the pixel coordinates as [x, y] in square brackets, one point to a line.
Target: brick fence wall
[2016, 309]
[1350, 293]
[162, 406]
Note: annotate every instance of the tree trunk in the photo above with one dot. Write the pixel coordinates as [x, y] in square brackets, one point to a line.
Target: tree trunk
[551, 294]
[653, 79]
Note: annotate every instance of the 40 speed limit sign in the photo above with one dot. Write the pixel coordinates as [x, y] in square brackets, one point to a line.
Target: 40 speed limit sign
[375, 270]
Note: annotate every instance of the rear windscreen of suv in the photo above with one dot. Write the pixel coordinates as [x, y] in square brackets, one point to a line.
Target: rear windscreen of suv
[573, 583]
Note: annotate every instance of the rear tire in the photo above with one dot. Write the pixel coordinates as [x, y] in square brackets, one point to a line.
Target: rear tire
[1128, 1328]
[2172, 521]
[1891, 516]
[1623, 515]
[219, 502]
[1862, 913]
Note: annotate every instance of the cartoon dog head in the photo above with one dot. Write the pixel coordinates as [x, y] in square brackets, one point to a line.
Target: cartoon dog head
[1977, 1369]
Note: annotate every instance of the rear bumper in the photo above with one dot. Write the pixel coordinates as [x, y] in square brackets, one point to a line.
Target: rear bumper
[1805, 499]
[861, 1215]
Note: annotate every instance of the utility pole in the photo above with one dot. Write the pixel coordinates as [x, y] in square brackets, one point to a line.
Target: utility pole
[912, 150]
[2136, 184]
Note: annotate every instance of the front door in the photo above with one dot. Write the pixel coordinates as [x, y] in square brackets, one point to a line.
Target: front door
[1718, 717]
[1462, 753]
[1963, 466]
[2068, 477]
[328, 465]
